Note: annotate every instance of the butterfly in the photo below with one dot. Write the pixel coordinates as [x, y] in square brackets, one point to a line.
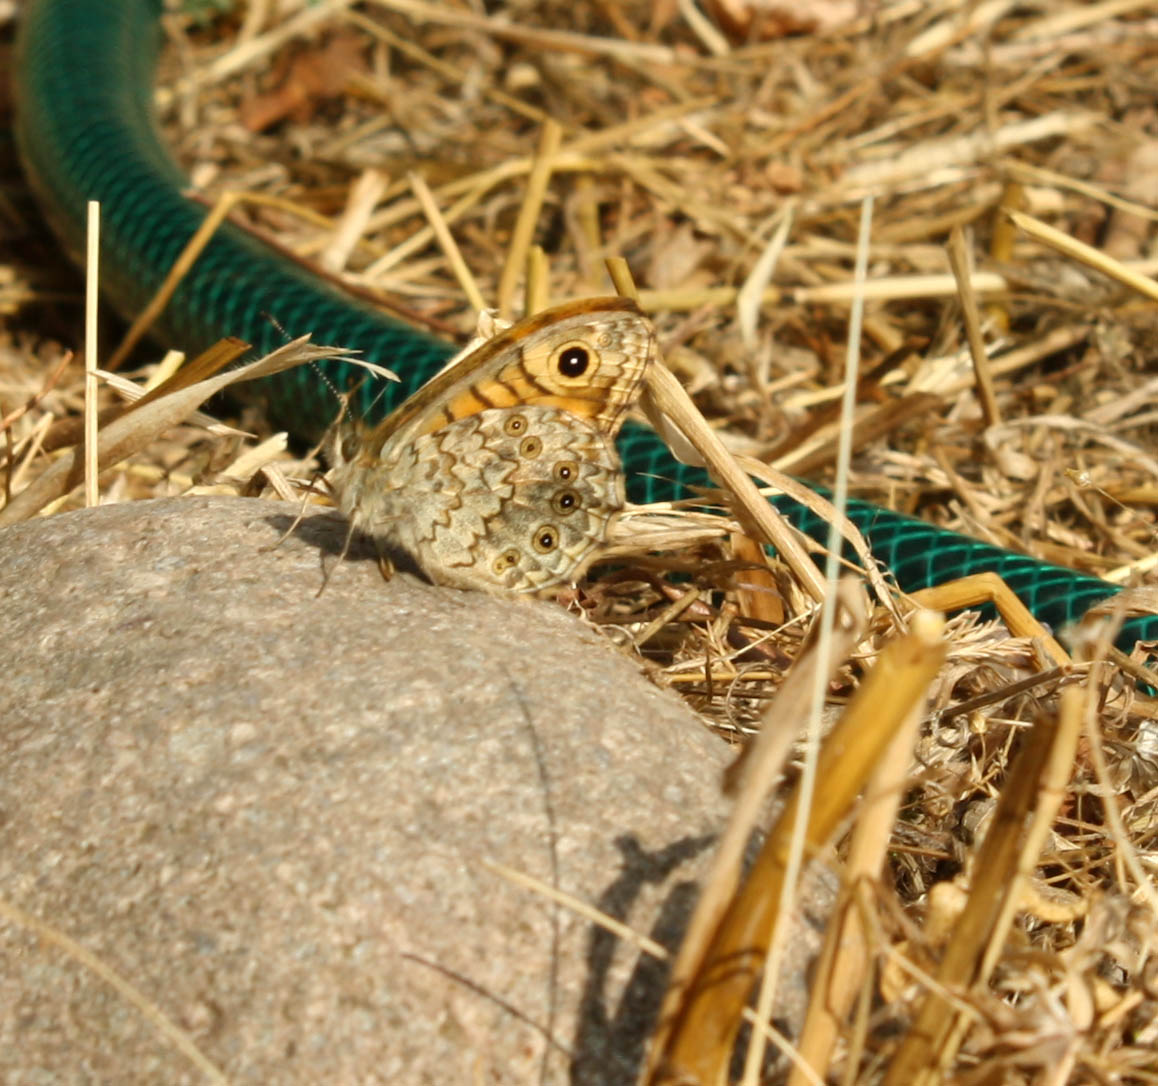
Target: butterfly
[501, 473]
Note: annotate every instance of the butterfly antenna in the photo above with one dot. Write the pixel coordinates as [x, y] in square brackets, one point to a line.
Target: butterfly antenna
[286, 337]
[344, 401]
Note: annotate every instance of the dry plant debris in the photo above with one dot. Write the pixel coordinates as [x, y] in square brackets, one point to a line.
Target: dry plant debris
[723, 153]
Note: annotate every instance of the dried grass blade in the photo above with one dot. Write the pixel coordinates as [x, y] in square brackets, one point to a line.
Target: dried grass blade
[156, 305]
[363, 197]
[446, 241]
[91, 387]
[223, 353]
[960, 261]
[824, 509]
[759, 518]
[808, 457]
[679, 422]
[133, 432]
[1087, 254]
[211, 361]
[751, 295]
[49, 383]
[179, 1038]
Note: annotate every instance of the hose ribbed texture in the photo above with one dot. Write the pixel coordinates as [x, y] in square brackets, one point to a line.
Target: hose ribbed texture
[86, 131]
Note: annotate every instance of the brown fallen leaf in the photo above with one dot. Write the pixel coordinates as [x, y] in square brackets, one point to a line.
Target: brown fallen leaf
[311, 78]
[767, 20]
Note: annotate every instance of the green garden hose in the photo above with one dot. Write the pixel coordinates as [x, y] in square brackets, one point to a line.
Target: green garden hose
[85, 124]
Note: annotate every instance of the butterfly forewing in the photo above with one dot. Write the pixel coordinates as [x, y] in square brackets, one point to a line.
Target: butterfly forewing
[521, 366]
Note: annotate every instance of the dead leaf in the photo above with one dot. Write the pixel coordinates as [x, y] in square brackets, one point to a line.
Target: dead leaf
[766, 20]
[312, 78]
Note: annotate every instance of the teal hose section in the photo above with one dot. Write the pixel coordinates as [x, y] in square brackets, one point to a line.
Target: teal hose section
[87, 132]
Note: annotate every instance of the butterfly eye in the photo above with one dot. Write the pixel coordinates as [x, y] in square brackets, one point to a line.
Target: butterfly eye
[515, 426]
[507, 560]
[565, 501]
[545, 539]
[573, 361]
[530, 447]
[566, 471]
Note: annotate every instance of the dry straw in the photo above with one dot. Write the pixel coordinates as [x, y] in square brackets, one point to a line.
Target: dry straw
[1004, 390]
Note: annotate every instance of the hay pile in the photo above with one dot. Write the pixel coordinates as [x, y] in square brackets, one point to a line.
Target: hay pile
[1006, 391]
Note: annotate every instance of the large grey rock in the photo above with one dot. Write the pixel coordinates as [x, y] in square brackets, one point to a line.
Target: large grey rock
[271, 812]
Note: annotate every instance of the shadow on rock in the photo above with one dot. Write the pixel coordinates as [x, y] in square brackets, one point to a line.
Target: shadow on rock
[610, 1042]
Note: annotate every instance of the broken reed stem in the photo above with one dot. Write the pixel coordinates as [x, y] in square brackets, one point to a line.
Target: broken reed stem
[750, 777]
[537, 292]
[842, 967]
[960, 261]
[91, 386]
[982, 588]
[1007, 856]
[670, 407]
[702, 1033]
[1001, 245]
[446, 241]
[621, 278]
[550, 137]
